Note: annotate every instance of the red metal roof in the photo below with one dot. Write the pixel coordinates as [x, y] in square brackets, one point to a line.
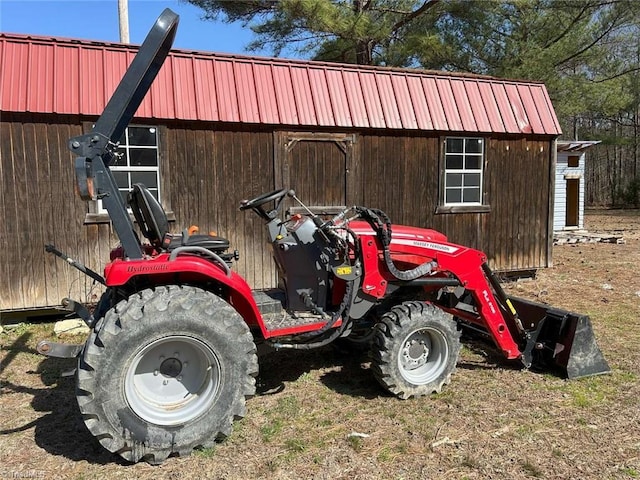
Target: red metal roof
[52, 75]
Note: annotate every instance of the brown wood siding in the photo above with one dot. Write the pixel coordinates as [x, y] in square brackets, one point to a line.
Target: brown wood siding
[207, 169]
[400, 175]
[39, 207]
[206, 175]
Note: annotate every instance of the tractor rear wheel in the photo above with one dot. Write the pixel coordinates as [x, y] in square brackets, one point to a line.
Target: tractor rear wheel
[415, 349]
[165, 372]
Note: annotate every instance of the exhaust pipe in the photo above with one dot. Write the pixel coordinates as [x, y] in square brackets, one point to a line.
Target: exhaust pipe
[559, 340]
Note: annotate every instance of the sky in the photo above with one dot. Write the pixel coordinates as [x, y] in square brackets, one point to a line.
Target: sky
[98, 20]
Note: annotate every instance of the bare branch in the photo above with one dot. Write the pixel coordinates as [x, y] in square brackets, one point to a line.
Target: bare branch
[416, 13]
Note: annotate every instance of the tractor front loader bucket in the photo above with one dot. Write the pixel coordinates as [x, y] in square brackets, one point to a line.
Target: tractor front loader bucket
[559, 340]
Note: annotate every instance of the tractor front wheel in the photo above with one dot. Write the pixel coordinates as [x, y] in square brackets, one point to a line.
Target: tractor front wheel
[415, 349]
[165, 372]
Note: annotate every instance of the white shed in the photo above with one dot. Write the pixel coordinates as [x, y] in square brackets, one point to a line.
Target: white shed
[568, 212]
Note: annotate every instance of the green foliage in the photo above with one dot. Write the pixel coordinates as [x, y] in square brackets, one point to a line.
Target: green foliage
[372, 32]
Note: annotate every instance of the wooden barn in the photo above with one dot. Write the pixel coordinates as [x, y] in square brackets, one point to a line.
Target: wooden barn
[473, 157]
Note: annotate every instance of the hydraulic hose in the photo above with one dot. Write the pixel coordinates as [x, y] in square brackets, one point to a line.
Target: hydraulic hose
[381, 224]
[342, 309]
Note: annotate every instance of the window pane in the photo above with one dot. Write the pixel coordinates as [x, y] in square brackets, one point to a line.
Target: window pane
[454, 145]
[453, 195]
[472, 195]
[473, 145]
[473, 162]
[123, 195]
[142, 136]
[454, 179]
[122, 179]
[143, 157]
[148, 179]
[454, 162]
[472, 180]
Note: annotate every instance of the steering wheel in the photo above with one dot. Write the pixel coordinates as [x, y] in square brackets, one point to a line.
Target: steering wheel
[255, 204]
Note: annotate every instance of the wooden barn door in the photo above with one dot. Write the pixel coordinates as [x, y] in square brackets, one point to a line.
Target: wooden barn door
[317, 167]
[573, 202]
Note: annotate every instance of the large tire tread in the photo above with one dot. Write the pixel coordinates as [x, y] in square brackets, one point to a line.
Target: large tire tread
[388, 340]
[132, 318]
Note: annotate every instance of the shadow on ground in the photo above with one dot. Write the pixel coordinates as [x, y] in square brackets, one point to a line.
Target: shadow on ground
[347, 371]
[59, 430]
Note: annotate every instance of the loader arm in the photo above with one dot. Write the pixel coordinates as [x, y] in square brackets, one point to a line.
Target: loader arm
[539, 336]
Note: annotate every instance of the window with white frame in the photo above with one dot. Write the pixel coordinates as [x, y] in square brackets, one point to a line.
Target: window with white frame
[463, 162]
[137, 160]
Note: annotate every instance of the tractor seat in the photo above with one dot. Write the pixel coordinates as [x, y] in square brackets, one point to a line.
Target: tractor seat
[153, 224]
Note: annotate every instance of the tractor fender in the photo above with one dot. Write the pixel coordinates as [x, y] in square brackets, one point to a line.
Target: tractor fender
[191, 269]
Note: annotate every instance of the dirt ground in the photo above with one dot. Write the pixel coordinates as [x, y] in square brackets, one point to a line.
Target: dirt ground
[322, 415]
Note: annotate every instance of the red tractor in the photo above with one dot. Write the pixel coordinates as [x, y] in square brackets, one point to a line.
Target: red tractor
[172, 354]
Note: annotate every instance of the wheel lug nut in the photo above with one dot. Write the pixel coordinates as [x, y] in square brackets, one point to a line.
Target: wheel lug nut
[161, 357]
[165, 382]
[155, 373]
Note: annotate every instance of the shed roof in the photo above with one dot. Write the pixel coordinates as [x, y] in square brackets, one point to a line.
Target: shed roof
[575, 145]
[65, 76]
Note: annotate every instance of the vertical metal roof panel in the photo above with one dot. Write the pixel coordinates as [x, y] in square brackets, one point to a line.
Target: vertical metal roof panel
[388, 101]
[372, 100]
[524, 125]
[226, 93]
[463, 105]
[302, 95]
[39, 91]
[504, 105]
[205, 89]
[284, 95]
[338, 96]
[320, 96]
[91, 92]
[419, 102]
[403, 98]
[549, 119]
[539, 103]
[490, 107]
[46, 75]
[66, 80]
[447, 100]
[184, 88]
[265, 93]
[477, 106]
[530, 108]
[355, 95]
[247, 99]
[115, 64]
[162, 104]
[15, 78]
[436, 108]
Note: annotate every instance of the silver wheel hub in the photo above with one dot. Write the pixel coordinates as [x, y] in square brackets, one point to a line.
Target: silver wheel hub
[415, 353]
[424, 356]
[172, 380]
